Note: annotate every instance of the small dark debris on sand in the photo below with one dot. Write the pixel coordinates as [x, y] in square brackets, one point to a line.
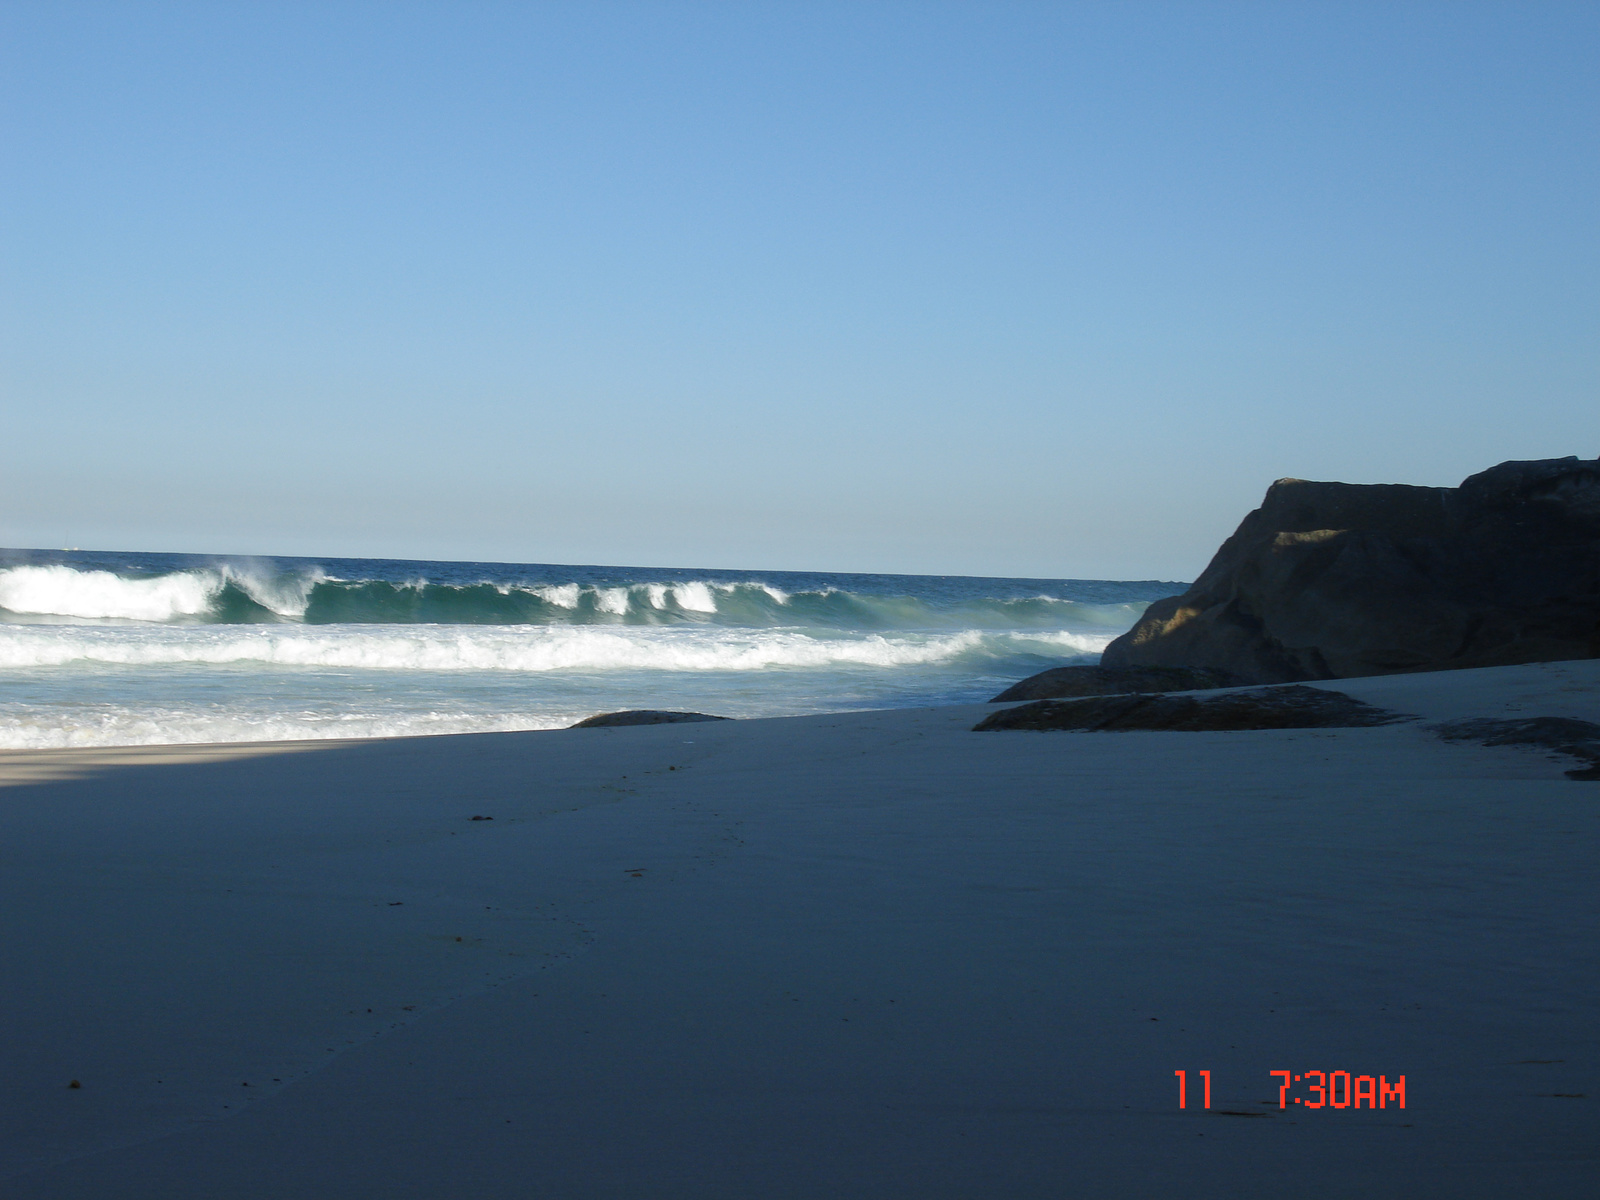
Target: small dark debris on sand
[1578, 739]
[1290, 707]
[1061, 682]
[642, 716]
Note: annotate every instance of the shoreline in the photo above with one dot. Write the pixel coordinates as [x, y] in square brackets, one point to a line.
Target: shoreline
[863, 954]
[1382, 690]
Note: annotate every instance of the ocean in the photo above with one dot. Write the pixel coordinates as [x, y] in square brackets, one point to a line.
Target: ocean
[112, 649]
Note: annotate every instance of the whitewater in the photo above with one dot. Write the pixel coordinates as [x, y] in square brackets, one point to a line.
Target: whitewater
[137, 649]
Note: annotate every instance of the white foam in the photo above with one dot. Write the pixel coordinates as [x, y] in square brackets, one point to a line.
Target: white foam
[114, 725]
[562, 596]
[1055, 641]
[694, 597]
[509, 648]
[63, 592]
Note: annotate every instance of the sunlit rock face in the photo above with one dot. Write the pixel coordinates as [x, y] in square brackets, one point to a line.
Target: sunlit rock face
[1338, 580]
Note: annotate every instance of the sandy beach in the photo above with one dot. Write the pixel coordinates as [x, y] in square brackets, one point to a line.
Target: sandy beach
[861, 955]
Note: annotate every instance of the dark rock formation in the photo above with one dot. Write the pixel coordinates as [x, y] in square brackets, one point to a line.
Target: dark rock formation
[1576, 739]
[1336, 580]
[1266, 708]
[1059, 682]
[642, 716]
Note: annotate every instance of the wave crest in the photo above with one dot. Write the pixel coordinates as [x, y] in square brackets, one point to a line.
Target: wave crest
[61, 591]
[65, 592]
[238, 593]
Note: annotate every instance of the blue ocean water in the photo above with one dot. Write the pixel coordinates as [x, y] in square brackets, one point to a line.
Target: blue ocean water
[126, 648]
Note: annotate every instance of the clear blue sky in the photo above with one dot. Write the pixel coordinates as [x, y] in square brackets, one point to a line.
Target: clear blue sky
[1034, 289]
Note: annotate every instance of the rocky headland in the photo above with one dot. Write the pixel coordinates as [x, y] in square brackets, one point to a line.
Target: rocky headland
[1340, 580]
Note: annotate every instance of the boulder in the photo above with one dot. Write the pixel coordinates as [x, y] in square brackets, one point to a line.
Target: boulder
[1059, 682]
[642, 716]
[1338, 580]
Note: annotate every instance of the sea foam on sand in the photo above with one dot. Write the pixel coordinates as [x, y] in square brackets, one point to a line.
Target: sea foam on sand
[856, 955]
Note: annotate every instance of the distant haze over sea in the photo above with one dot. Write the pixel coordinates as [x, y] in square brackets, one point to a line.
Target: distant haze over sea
[128, 648]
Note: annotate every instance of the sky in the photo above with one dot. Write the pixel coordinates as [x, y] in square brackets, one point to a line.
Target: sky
[1046, 290]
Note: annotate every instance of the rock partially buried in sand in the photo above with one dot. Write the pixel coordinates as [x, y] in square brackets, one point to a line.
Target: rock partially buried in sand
[642, 716]
[1266, 708]
[1577, 739]
[1060, 682]
[1338, 580]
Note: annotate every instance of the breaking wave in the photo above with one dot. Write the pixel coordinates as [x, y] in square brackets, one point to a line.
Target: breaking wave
[224, 593]
[242, 594]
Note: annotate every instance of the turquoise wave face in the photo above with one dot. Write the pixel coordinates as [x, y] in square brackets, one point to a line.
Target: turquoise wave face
[257, 592]
[749, 605]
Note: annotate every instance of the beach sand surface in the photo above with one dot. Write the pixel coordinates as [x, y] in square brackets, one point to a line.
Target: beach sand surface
[856, 955]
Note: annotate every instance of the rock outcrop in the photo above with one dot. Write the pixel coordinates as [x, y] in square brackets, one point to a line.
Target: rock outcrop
[642, 716]
[1292, 707]
[1337, 580]
[1575, 739]
[1059, 682]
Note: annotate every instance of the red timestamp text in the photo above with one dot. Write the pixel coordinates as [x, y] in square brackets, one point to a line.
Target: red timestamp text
[1324, 1089]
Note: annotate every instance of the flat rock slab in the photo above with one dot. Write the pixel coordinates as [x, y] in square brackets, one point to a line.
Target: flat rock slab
[1292, 707]
[1060, 682]
[642, 716]
[1564, 735]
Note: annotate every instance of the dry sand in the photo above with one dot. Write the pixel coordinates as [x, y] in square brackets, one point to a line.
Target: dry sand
[862, 955]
